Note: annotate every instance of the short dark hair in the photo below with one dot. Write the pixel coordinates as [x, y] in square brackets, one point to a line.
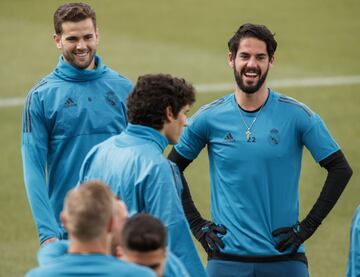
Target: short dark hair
[143, 232]
[73, 12]
[152, 94]
[260, 32]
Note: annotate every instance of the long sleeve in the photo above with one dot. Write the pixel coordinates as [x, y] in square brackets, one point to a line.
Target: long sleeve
[164, 203]
[353, 266]
[34, 150]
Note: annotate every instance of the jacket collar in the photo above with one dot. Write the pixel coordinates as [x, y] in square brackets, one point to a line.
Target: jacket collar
[67, 72]
[148, 133]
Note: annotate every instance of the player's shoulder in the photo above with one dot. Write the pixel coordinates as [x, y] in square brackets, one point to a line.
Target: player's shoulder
[45, 85]
[40, 86]
[357, 217]
[129, 269]
[214, 106]
[112, 74]
[290, 104]
[43, 271]
[102, 148]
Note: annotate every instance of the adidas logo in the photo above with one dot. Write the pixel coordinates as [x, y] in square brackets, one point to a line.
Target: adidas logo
[69, 103]
[229, 138]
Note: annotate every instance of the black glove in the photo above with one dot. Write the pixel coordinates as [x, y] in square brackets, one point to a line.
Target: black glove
[294, 236]
[206, 232]
[339, 173]
[208, 236]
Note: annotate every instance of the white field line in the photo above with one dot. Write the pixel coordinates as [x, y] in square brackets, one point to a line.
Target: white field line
[11, 102]
[286, 83]
[219, 87]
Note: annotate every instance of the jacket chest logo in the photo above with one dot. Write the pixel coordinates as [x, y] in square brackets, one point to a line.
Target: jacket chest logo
[69, 103]
[274, 136]
[111, 98]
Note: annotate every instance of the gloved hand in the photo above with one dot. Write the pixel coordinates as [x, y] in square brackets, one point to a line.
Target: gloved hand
[294, 236]
[208, 236]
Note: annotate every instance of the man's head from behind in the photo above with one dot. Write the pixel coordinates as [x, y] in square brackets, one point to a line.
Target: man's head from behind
[161, 102]
[144, 242]
[88, 212]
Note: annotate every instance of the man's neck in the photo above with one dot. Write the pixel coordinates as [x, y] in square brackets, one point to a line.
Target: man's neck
[251, 101]
[79, 247]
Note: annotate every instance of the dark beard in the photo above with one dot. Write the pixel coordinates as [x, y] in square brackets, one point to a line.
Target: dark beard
[71, 60]
[249, 89]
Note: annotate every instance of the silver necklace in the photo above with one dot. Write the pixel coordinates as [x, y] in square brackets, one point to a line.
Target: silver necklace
[248, 127]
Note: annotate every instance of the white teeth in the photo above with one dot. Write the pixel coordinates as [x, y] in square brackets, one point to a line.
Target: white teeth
[81, 54]
[250, 74]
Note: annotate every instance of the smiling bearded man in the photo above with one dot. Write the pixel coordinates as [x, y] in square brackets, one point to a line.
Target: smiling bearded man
[255, 138]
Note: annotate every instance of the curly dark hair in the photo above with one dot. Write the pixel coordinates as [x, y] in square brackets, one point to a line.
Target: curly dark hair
[152, 94]
[73, 12]
[260, 32]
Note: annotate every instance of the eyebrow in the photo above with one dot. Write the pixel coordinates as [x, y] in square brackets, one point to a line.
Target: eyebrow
[76, 37]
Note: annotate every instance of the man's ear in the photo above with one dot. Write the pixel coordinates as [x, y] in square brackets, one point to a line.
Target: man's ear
[272, 61]
[110, 225]
[97, 34]
[57, 40]
[164, 253]
[64, 219]
[169, 114]
[231, 59]
[119, 252]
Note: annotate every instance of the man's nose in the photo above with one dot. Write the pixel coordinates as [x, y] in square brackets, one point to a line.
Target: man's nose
[252, 62]
[81, 44]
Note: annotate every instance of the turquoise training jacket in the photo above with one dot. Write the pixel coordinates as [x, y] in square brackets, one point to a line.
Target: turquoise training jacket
[134, 167]
[52, 251]
[89, 264]
[64, 116]
[353, 266]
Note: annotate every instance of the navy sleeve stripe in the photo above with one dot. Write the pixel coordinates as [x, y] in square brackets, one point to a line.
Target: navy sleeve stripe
[215, 103]
[28, 127]
[296, 103]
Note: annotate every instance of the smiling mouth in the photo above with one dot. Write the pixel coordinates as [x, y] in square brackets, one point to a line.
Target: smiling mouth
[82, 54]
[251, 74]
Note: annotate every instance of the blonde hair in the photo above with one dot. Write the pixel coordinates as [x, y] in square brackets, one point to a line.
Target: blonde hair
[88, 210]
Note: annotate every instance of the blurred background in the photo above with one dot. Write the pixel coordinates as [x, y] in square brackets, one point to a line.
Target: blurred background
[317, 62]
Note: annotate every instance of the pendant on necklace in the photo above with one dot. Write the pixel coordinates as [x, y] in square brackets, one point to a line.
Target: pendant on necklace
[248, 134]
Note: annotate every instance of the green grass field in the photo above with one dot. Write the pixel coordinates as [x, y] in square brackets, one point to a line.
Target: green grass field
[188, 38]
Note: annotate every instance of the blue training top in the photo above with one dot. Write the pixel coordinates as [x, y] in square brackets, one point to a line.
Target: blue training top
[353, 267]
[52, 251]
[254, 181]
[65, 115]
[133, 165]
[89, 265]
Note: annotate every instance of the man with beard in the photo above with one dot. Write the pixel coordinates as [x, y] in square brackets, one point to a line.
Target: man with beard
[255, 138]
[78, 105]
